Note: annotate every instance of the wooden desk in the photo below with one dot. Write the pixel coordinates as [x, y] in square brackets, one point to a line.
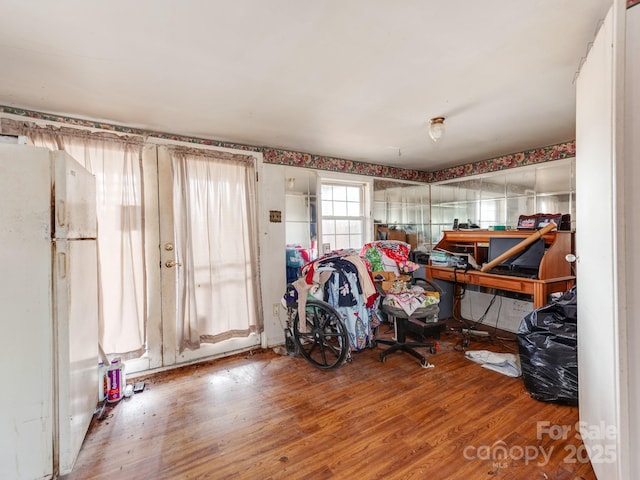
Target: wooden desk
[539, 289]
[554, 273]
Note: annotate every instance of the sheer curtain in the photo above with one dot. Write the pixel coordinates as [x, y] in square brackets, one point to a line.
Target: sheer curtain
[116, 163]
[215, 225]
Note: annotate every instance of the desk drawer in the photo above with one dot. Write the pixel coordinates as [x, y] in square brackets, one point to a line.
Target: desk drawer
[500, 282]
[503, 283]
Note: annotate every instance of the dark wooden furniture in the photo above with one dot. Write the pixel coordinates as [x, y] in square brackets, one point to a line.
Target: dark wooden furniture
[554, 274]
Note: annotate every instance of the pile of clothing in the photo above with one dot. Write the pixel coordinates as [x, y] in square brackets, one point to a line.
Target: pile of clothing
[343, 280]
[393, 256]
[389, 256]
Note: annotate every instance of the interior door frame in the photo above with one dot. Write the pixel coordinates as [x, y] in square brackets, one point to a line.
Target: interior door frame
[162, 348]
[167, 275]
[152, 358]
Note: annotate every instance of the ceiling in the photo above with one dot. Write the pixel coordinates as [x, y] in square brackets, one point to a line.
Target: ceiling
[352, 79]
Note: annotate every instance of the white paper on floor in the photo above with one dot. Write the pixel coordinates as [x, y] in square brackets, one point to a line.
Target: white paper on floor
[505, 363]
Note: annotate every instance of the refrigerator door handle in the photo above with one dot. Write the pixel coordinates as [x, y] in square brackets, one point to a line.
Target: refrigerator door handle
[62, 265]
[60, 213]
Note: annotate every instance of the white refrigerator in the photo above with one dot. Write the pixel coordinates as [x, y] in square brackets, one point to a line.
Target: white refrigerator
[48, 309]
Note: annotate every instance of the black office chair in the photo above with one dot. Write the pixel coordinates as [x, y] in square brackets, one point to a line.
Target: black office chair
[402, 321]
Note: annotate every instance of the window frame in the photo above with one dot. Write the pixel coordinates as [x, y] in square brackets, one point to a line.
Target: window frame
[365, 185]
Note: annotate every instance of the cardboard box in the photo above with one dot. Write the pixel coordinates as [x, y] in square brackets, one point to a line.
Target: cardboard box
[387, 279]
[380, 276]
[388, 284]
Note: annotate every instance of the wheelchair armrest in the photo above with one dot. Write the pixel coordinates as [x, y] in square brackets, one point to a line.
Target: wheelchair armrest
[427, 284]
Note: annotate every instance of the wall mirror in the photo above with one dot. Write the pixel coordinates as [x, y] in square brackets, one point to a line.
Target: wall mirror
[401, 212]
[300, 219]
[499, 198]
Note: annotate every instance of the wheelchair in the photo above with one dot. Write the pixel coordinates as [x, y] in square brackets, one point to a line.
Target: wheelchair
[323, 339]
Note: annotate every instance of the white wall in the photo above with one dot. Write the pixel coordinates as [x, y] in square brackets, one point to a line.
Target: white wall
[505, 313]
[632, 235]
[272, 254]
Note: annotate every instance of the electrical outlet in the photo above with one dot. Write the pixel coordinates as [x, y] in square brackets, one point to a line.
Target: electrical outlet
[276, 309]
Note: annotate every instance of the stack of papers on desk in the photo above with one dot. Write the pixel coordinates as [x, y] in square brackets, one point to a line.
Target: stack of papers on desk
[444, 258]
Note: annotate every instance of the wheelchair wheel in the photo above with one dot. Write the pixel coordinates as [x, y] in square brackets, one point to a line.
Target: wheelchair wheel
[324, 342]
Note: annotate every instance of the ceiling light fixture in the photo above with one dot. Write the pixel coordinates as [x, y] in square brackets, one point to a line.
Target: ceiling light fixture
[436, 128]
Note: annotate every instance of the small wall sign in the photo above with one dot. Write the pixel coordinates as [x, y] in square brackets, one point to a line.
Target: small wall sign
[275, 216]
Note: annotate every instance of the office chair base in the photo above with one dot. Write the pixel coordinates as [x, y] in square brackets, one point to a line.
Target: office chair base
[406, 347]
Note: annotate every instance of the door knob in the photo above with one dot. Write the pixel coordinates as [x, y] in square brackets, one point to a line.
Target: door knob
[172, 263]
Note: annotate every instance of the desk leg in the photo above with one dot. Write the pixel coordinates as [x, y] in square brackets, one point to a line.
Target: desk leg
[539, 295]
[541, 291]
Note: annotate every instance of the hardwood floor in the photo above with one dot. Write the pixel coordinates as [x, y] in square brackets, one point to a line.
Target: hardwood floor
[270, 416]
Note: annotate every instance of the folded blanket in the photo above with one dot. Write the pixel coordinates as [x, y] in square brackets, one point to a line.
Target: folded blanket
[410, 300]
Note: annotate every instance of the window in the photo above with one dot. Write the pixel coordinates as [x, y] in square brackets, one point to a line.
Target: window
[343, 215]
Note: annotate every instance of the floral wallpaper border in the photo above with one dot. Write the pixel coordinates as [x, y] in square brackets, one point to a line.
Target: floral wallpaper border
[514, 160]
[50, 117]
[319, 162]
[631, 3]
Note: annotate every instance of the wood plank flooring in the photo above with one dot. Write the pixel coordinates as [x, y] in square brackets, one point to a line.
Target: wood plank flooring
[269, 416]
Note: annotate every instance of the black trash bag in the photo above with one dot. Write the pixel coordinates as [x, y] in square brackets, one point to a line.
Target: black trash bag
[548, 347]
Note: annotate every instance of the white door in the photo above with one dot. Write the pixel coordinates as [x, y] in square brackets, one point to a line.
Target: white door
[76, 345]
[26, 345]
[208, 304]
[599, 344]
[75, 191]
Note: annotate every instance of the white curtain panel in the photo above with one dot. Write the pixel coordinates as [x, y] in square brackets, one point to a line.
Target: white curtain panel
[215, 235]
[215, 225]
[116, 163]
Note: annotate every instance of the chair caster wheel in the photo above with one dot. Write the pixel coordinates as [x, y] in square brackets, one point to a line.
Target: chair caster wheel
[425, 364]
[383, 358]
[433, 350]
